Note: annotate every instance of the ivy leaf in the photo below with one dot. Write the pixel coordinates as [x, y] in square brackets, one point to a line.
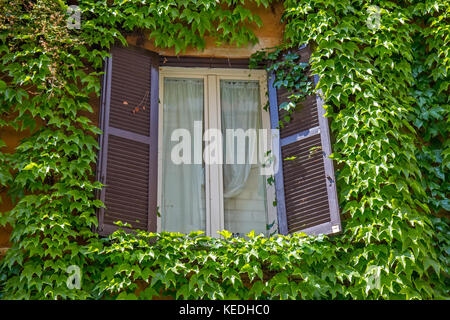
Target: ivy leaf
[30, 166]
[224, 233]
[126, 296]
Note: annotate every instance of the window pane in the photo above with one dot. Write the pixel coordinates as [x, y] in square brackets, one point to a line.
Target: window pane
[244, 187]
[183, 190]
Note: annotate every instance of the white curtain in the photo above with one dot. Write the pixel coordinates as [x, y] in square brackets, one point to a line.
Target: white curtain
[243, 186]
[239, 102]
[183, 192]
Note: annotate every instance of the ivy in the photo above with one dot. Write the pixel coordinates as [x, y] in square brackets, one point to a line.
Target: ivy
[385, 85]
[197, 267]
[289, 73]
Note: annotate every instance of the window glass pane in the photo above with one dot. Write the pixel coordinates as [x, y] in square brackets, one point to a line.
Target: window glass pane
[183, 191]
[244, 189]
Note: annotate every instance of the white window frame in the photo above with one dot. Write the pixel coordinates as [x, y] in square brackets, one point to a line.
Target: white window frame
[212, 118]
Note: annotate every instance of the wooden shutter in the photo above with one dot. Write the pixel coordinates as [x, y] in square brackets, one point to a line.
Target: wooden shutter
[128, 147]
[305, 186]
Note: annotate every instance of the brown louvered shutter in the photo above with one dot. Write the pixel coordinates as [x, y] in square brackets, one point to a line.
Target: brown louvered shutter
[305, 183]
[127, 162]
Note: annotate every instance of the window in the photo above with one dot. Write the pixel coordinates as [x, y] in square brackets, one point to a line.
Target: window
[146, 112]
[231, 194]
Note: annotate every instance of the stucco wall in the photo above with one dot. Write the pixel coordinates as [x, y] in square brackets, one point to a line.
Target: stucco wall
[269, 35]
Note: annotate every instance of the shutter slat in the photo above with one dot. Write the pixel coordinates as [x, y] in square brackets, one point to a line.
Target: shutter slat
[312, 177]
[310, 195]
[311, 172]
[302, 226]
[304, 118]
[130, 82]
[311, 206]
[117, 186]
[319, 212]
[305, 183]
[132, 172]
[127, 163]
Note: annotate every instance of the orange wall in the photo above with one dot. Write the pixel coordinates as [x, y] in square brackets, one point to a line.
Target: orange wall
[269, 35]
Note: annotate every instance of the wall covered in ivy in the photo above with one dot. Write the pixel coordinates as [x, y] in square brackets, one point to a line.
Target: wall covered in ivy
[383, 70]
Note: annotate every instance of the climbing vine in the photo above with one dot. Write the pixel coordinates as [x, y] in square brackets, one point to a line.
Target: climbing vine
[289, 72]
[385, 85]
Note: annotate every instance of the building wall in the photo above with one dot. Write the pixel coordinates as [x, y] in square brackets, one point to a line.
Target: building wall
[269, 35]
[12, 140]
